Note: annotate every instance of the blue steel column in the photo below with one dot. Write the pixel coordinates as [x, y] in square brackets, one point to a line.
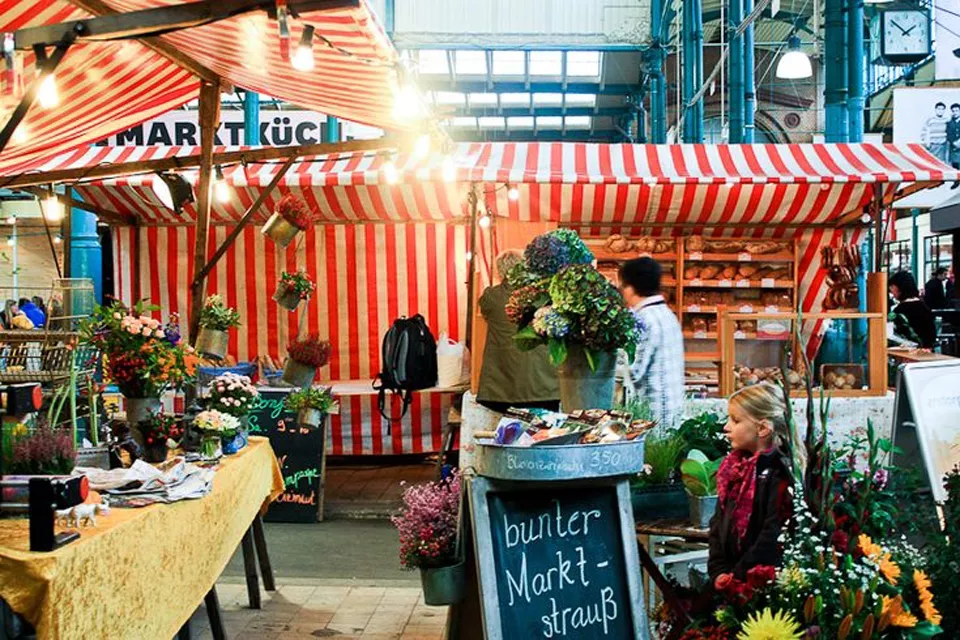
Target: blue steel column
[857, 102]
[749, 90]
[654, 57]
[836, 75]
[692, 70]
[333, 129]
[86, 255]
[734, 18]
[251, 119]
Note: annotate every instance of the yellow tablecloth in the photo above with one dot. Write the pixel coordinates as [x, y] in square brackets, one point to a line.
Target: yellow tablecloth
[140, 573]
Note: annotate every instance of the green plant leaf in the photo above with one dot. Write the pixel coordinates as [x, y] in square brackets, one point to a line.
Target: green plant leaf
[527, 339]
[923, 629]
[699, 456]
[590, 361]
[558, 351]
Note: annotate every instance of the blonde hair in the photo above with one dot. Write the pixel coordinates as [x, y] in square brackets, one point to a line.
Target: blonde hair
[508, 260]
[765, 401]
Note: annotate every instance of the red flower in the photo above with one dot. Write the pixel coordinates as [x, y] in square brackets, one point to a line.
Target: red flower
[840, 541]
[761, 575]
[724, 582]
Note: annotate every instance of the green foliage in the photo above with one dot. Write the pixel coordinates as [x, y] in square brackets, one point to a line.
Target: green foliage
[320, 398]
[943, 553]
[704, 432]
[663, 450]
[699, 474]
[638, 407]
[217, 316]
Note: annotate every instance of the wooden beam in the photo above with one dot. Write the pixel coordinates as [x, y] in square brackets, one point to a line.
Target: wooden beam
[209, 121]
[160, 20]
[100, 8]
[247, 215]
[188, 162]
[705, 225]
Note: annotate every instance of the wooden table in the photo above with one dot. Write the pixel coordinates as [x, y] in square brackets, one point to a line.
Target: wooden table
[905, 355]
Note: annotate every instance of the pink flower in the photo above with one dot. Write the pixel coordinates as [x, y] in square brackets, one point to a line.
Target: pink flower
[117, 316]
[158, 334]
[133, 330]
[147, 332]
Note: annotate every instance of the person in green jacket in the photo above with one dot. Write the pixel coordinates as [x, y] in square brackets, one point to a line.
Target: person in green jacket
[510, 377]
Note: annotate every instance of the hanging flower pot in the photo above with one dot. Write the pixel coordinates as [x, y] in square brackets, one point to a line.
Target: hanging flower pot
[312, 404]
[290, 218]
[213, 343]
[312, 418]
[286, 298]
[306, 356]
[443, 585]
[216, 319]
[292, 288]
[298, 374]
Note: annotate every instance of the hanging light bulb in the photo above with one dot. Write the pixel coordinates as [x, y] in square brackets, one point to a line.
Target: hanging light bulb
[57, 239]
[421, 149]
[163, 192]
[407, 103]
[390, 173]
[794, 64]
[220, 187]
[468, 255]
[52, 209]
[449, 170]
[484, 221]
[513, 193]
[47, 94]
[303, 57]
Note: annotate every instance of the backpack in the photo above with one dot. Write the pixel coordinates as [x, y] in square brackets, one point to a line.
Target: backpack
[409, 362]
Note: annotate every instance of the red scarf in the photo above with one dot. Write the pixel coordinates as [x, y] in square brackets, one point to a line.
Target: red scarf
[737, 481]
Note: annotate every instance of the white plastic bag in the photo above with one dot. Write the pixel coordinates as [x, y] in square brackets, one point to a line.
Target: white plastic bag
[449, 361]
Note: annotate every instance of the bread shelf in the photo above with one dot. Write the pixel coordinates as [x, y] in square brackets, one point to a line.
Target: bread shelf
[603, 255]
[737, 284]
[706, 356]
[712, 335]
[780, 256]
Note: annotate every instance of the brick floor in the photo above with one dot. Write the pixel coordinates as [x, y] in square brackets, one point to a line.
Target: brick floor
[304, 611]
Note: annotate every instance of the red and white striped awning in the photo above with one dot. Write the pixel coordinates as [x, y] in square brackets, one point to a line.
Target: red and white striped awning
[106, 87]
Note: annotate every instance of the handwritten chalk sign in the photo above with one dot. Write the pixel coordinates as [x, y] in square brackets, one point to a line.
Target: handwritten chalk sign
[557, 560]
[301, 454]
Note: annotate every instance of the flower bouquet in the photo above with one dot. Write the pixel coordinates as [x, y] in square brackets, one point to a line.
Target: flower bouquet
[215, 427]
[427, 525]
[155, 432]
[46, 451]
[142, 358]
[562, 301]
[305, 357]
[293, 288]
[289, 218]
[311, 405]
[216, 319]
[235, 395]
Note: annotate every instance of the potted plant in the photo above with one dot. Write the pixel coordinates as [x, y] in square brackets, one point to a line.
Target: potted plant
[216, 319]
[215, 427]
[156, 432]
[657, 493]
[234, 395]
[305, 357]
[289, 218]
[27, 452]
[427, 525]
[700, 480]
[293, 288]
[311, 405]
[566, 304]
[142, 358]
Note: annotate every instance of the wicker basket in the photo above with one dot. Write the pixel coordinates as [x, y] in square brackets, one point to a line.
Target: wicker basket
[43, 356]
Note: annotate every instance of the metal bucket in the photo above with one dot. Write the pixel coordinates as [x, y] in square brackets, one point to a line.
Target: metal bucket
[661, 502]
[279, 230]
[702, 510]
[212, 343]
[444, 585]
[312, 418]
[298, 374]
[582, 387]
[562, 462]
[287, 298]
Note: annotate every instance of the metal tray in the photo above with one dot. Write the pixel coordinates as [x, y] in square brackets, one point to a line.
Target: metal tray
[562, 462]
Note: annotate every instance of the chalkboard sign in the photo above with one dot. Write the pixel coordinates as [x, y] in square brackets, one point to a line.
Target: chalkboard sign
[557, 559]
[299, 451]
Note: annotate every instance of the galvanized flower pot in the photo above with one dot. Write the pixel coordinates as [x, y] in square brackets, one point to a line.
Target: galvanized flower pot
[312, 418]
[702, 510]
[287, 298]
[212, 343]
[298, 374]
[444, 585]
[138, 410]
[582, 387]
[660, 502]
[279, 230]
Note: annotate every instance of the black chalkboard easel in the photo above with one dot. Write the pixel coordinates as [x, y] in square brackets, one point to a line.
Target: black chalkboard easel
[552, 559]
[301, 453]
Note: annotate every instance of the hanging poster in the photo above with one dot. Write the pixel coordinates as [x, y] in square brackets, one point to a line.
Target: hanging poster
[947, 28]
[930, 116]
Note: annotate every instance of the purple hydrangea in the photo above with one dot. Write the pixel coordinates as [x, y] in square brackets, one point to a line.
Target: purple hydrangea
[547, 254]
[550, 324]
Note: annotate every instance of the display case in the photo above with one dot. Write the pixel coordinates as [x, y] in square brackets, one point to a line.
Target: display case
[854, 365]
[614, 250]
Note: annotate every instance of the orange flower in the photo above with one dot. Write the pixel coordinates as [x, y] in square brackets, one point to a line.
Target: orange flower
[923, 584]
[868, 547]
[889, 569]
[898, 616]
[930, 613]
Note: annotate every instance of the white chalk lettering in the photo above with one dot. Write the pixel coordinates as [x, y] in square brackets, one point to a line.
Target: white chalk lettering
[521, 586]
[559, 622]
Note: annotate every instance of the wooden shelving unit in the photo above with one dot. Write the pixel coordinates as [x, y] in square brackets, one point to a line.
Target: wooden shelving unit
[670, 261]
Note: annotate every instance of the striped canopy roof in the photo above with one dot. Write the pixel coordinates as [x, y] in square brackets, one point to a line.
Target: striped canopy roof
[572, 183]
[106, 87]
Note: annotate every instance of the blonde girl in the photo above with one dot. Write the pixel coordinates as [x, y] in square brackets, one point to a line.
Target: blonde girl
[753, 484]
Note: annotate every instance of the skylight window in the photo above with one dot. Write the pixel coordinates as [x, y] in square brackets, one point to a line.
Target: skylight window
[555, 99]
[433, 62]
[515, 99]
[471, 63]
[581, 100]
[492, 122]
[449, 98]
[508, 63]
[483, 99]
[549, 122]
[578, 122]
[546, 63]
[583, 64]
[520, 122]
[464, 122]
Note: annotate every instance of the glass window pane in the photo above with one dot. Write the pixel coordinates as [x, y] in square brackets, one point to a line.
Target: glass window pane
[492, 123]
[463, 121]
[433, 62]
[515, 99]
[471, 63]
[578, 122]
[581, 99]
[520, 122]
[549, 122]
[548, 98]
[485, 99]
[546, 63]
[508, 63]
[449, 98]
[583, 64]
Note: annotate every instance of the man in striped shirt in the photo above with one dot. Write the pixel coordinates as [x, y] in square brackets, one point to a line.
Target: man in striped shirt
[657, 370]
[934, 133]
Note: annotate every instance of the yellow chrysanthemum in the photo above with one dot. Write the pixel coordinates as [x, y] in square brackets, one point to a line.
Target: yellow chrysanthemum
[868, 547]
[768, 625]
[889, 569]
[898, 616]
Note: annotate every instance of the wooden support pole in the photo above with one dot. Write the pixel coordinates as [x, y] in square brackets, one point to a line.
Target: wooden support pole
[209, 121]
[878, 228]
[471, 275]
[136, 288]
[238, 229]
